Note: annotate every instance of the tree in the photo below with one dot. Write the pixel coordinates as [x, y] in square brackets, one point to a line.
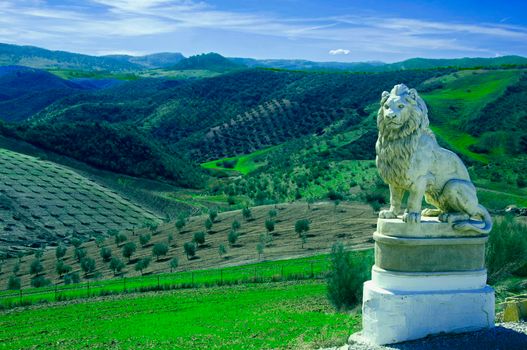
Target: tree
[100, 241]
[235, 225]
[36, 267]
[151, 225]
[272, 213]
[199, 238]
[174, 263]
[40, 281]
[232, 237]
[88, 266]
[260, 249]
[303, 237]
[120, 238]
[13, 283]
[62, 268]
[180, 223]
[116, 265]
[247, 213]
[190, 249]
[112, 232]
[79, 253]
[160, 249]
[129, 250]
[213, 214]
[144, 239]
[301, 226]
[16, 268]
[39, 253]
[72, 277]
[208, 224]
[269, 225]
[142, 264]
[347, 274]
[170, 239]
[231, 200]
[76, 242]
[222, 250]
[60, 252]
[106, 254]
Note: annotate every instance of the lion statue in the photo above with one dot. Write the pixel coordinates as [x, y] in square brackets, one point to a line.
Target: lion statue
[410, 160]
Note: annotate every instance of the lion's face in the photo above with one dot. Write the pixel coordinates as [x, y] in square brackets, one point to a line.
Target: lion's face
[402, 111]
[396, 111]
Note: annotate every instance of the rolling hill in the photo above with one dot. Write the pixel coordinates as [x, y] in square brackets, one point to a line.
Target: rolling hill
[44, 203]
[208, 61]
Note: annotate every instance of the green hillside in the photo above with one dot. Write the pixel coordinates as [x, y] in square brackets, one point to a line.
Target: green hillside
[44, 203]
[207, 61]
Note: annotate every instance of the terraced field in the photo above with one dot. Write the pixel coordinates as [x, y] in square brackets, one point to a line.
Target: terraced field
[42, 202]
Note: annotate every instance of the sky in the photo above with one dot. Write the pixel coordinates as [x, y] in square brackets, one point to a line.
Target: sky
[318, 30]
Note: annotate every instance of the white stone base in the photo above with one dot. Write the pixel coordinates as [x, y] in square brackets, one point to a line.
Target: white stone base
[394, 316]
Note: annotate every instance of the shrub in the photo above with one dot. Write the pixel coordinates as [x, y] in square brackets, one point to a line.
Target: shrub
[60, 251]
[190, 249]
[36, 267]
[160, 249]
[106, 254]
[116, 265]
[174, 263]
[247, 213]
[79, 253]
[272, 213]
[100, 241]
[72, 277]
[87, 265]
[120, 238]
[144, 239]
[142, 264]
[235, 225]
[231, 200]
[129, 250]
[347, 274]
[40, 281]
[170, 238]
[232, 237]
[199, 237]
[334, 195]
[62, 268]
[506, 249]
[13, 283]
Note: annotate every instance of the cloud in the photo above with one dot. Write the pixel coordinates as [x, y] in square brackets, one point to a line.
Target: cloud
[339, 52]
[96, 22]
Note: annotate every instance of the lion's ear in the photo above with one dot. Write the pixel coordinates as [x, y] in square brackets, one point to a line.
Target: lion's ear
[384, 97]
[413, 94]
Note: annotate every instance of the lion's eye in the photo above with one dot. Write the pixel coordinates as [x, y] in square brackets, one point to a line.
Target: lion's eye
[401, 106]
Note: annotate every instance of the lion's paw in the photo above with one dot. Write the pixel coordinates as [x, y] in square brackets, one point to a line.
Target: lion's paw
[412, 218]
[387, 214]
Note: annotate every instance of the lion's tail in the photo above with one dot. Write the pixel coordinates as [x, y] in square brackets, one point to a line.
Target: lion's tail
[482, 227]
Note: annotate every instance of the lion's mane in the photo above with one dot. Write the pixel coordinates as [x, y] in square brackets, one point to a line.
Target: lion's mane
[395, 147]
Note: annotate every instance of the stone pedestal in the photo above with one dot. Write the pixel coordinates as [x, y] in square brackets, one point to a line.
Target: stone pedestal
[427, 279]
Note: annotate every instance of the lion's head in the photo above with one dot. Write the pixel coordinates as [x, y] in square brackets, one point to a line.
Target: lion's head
[401, 113]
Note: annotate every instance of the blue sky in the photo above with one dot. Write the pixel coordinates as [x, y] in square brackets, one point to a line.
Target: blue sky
[338, 30]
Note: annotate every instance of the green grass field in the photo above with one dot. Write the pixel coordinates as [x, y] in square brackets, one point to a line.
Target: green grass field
[463, 96]
[72, 74]
[287, 315]
[292, 269]
[243, 164]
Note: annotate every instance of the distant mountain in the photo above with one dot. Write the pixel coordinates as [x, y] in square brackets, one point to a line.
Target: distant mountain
[35, 57]
[208, 61]
[157, 60]
[25, 91]
[413, 63]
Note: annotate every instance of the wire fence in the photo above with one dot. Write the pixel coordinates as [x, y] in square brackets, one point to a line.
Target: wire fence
[260, 273]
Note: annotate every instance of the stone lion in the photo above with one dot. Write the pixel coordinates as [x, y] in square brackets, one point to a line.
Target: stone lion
[410, 160]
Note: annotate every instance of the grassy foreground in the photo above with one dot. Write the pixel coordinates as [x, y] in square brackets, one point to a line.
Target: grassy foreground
[287, 315]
